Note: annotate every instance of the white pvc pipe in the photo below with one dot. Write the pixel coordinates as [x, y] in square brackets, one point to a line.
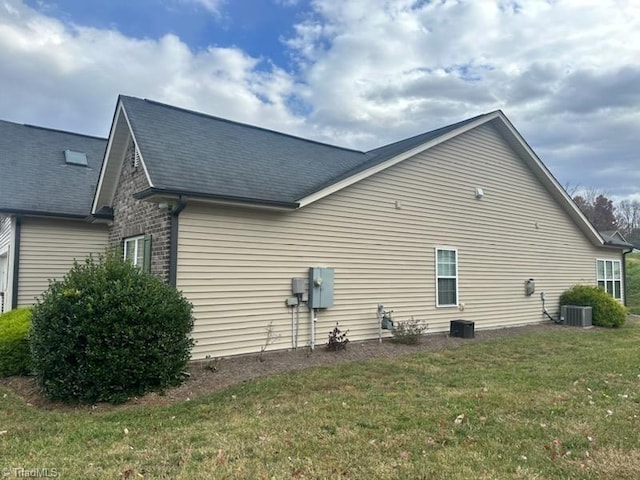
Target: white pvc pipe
[293, 341]
[312, 321]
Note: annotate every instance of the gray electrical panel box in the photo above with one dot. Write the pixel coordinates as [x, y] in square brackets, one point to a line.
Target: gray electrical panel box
[320, 287]
[297, 285]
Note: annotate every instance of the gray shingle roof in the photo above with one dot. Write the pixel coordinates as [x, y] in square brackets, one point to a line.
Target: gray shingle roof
[189, 152]
[613, 237]
[388, 151]
[34, 177]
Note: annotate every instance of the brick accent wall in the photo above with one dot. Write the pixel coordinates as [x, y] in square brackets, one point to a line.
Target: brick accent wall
[132, 217]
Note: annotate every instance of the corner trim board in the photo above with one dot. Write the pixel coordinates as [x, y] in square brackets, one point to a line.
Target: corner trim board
[16, 262]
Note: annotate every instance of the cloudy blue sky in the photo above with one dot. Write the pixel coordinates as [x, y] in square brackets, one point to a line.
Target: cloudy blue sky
[356, 73]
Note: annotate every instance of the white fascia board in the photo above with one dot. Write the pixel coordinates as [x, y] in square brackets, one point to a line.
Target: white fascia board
[120, 113]
[107, 154]
[570, 205]
[393, 161]
[144, 167]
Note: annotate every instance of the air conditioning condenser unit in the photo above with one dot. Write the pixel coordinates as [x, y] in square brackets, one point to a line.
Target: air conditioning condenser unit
[575, 316]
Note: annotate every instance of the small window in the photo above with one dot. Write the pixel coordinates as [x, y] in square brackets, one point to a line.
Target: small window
[446, 277]
[138, 251]
[609, 277]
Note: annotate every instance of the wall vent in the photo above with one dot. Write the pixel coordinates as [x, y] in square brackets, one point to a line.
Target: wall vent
[134, 155]
[575, 316]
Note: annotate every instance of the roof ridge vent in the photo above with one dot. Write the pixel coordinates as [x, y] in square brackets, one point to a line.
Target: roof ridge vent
[71, 157]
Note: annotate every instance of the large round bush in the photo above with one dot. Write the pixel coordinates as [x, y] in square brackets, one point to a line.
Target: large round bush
[109, 331]
[14, 342]
[606, 310]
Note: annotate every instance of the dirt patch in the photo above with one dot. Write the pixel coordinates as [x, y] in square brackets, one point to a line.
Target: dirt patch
[211, 376]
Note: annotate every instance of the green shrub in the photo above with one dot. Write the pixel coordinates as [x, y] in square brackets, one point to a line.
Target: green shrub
[409, 331]
[14, 342]
[109, 331]
[607, 312]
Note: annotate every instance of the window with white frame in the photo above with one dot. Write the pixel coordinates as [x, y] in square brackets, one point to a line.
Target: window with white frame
[134, 250]
[446, 277]
[609, 277]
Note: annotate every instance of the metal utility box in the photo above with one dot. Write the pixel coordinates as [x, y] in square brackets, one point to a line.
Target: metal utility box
[321, 287]
[297, 285]
[576, 316]
[529, 287]
[462, 328]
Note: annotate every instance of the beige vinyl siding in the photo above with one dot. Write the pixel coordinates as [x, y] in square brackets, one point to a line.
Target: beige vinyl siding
[6, 261]
[235, 265]
[48, 248]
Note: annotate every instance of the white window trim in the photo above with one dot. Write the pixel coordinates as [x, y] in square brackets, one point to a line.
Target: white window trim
[605, 279]
[454, 249]
[138, 243]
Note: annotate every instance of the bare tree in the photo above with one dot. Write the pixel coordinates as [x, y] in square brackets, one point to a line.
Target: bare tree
[628, 218]
[572, 189]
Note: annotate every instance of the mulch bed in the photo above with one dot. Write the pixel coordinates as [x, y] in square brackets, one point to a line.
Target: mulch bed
[211, 376]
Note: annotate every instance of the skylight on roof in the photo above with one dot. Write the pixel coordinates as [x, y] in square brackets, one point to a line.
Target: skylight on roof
[75, 158]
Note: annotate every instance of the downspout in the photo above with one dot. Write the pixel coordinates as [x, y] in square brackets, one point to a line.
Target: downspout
[173, 240]
[16, 262]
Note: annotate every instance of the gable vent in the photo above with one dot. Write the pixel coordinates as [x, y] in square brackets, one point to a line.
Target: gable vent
[75, 158]
[134, 155]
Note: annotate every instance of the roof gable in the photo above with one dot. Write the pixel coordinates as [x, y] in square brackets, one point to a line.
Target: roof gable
[614, 237]
[35, 177]
[192, 154]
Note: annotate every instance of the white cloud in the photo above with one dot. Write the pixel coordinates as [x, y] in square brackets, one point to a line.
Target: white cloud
[366, 72]
[565, 72]
[381, 60]
[71, 75]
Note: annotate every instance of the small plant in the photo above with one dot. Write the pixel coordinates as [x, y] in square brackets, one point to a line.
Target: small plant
[210, 363]
[606, 311]
[337, 340]
[409, 331]
[268, 341]
[14, 342]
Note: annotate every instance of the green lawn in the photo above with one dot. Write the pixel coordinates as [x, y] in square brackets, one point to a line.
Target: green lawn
[560, 404]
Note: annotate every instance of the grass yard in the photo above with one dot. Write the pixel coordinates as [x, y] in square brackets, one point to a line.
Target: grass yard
[564, 403]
